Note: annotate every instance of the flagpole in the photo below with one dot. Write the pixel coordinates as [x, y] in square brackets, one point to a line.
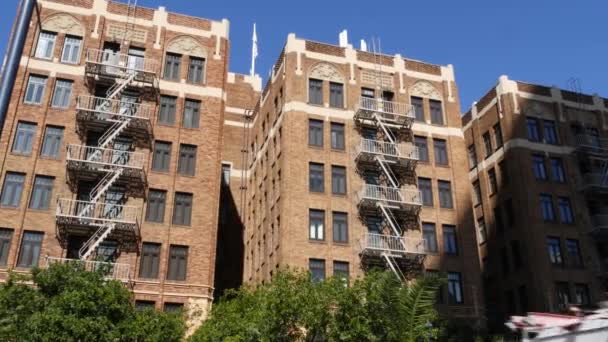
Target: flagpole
[254, 50]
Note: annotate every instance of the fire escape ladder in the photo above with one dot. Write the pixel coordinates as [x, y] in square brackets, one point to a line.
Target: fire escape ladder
[100, 189]
[392, 264]
[384, 129]
[391, 220]
[390, 175]
[604, 181]
[95, 240]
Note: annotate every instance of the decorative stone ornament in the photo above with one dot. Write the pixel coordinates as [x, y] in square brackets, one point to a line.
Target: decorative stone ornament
[325, 71]
[425, 89]
[63, 23]
[186, 45]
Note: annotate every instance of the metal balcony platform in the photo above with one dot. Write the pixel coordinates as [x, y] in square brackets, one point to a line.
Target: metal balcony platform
[400, 200]
[591, 145]
[395, 246]
[370, 111]
[109, 65]
[111, 270]
[594, 184]
[401, 157]
[83, 218]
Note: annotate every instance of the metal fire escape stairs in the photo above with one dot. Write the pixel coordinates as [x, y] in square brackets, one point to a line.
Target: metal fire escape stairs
[125, 79]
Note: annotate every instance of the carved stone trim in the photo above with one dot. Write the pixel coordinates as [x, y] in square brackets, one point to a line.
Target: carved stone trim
[63, 23]
[425, 89]
[325, 71]
[186, 45]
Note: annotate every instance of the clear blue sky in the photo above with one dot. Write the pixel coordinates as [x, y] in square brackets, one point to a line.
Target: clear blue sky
[542, 41]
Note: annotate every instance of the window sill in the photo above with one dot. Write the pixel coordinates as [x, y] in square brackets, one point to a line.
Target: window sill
[316, 147]
[190, 128]
[33, 104]
[320, 242]
[49, 158]
[9, 208]
[186, 176]
[161, 172]
[341, 244]
[177, 225]
[36, 210]
[448, 209]
[338, 150]
[338, 108]
[316, 104]
[21, 154]
[321, 193]
[165, 124]
[341, 195]
[447, 166]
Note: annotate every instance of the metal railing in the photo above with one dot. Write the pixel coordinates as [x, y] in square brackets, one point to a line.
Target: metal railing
[392, 244]
[110, 270]
[592, 142]
[595, 180]
[389, 111]
[599, 221]
[105, 157]
[118, 63]
[115, 109]
[388, 149]
[97, 211]
[390, 194]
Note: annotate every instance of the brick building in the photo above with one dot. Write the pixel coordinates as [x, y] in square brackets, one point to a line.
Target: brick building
[537, 158]
[111, 147]
[351, 160]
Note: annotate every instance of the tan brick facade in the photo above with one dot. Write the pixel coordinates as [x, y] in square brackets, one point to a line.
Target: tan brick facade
[511, 206]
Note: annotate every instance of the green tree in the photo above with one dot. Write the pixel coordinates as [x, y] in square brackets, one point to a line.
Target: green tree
[66, 303]
[377, 307]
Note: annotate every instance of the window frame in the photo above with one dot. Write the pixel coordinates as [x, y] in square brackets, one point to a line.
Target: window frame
[172, 66]
[436, 108]
[35, 247]
[150, 268]
[187, 158]
[338, 136]
[336, 95]
[62, 100]
[440, 148]
[182, 208]
[340, 227]
[156, 206]
[52, 141]
[315, 132]
[192, 113]
[444, 188]
[179, 261]
[36, 87]
[338, 180]
[316, 225]
[162, 150]
[315, 91]
[50, 50]
[316, 177]
[194, 69]
[25, 130]
[450, 239]
[44, 191]
[74, 52]
[429, 230]
[15, 185]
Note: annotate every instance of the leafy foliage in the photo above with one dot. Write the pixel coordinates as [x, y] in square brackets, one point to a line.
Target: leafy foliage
[66, 303]
[377, 307]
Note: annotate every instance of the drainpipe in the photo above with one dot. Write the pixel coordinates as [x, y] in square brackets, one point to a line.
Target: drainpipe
[13, 55]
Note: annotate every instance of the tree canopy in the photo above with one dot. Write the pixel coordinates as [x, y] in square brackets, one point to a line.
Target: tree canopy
[66, 303]
[377, 307]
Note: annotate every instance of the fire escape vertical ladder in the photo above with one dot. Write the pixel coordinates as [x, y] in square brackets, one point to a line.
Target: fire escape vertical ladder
[390, 175]
[95, 240]
[392, 264]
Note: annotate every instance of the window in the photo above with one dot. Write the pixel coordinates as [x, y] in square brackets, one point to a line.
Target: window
[29, 252]
[455, 295]
[192, 114]
[336, 95]
[497, 135]
[423, 148]
[317, 269]
[62, 94]
[71, 50]
[417, 104]
[550, 132]
[155, 211]
[143, 305]
[546, 206]
[341, 270]
[196, 70]
[166, 114]
[182, 210]
[555, 251]
[315, 91]
[476, 193]
[533, 130]
[581, 294]
[523, 298]
[450, 243]
[52, 141]
[173, 307]
[562, 291]
[6, 235]
[574, 253]
[338, 180]
[46, 44]
[472, 156]
[498, 220]
[41, 193]
[162, 156]
[226, 168]
[340, 227]
[24, 138]
[187, 160]
[316, 224]
[493, 182]
[316, 179]
[315, 132]
[538, 167]
[441, 152]
[11, 191]
[178, 262]
[481, 228]
[337, 136]
[445, 194]
[426, 190]
[487, 143]
[565, 210]
[516, 252]
[504, 256]
[557, 170]
[150, 256]
[436, 112]
[35, 89]
[430, 237]
[172, 67]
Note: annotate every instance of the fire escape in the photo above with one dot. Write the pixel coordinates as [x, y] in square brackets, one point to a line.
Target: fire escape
[389, 202]
[112, 124]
